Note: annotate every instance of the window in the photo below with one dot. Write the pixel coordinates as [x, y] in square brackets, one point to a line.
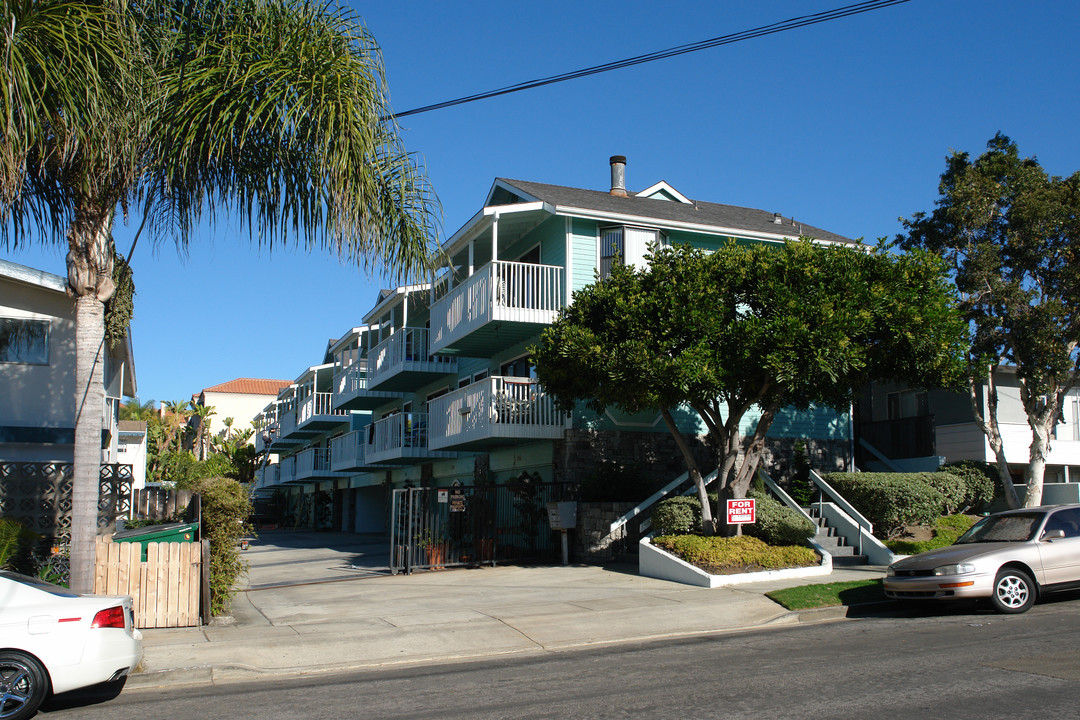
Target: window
[1067, 520]
[521, 367]
[24, 341]
[611, 249]
[908, 403]
[626, 246]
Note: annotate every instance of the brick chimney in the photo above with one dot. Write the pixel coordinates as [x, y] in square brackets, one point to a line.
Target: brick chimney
[618, 175]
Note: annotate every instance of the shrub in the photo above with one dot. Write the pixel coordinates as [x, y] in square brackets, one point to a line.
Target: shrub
[776, 523]
[890, 501]
[16, 542]
[677, 516]
[225, 507]
[953, 489]
[735, 554]
[982, 480]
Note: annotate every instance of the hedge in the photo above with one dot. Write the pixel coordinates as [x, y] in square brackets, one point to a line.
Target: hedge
[982, 480]
[890, 501]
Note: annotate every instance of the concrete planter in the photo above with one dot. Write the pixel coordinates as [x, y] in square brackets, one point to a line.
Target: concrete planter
[656, 563]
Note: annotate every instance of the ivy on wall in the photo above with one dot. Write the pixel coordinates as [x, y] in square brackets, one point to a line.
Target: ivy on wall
[120, 308]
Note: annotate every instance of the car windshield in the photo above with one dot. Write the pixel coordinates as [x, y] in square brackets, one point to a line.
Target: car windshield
[1003, 528]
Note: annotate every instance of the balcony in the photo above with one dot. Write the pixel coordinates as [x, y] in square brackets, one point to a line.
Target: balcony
[501, 304]
[278, 443]
[351, 391]
[494, 411]
[403, 361]
[313, 415]
[316, 414]
[347, 452]
[402, 437]
[267, 476]
[287, 470]
[314, 464]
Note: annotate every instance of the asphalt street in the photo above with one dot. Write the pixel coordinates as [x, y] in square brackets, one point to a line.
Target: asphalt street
[950, 661]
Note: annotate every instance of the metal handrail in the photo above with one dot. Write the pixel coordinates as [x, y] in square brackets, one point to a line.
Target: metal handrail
[655, 498]
[780, 493]
[826, 489]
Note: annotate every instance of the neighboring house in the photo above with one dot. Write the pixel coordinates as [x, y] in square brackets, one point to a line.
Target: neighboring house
[434, 388]
[241, 399]
[131, 450]
[900, 428]
[37, 387]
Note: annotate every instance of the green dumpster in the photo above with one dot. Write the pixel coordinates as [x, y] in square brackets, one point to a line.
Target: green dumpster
[169, 532]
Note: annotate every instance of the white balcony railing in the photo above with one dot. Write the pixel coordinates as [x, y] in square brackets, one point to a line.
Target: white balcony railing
[496, 407]
[287, 470]
[406, 349]
[287, 423]
[500, 291]
[267, 476]
[315, 404]
[347, 451]
[351, 380]
[313, 462]
[402, 435]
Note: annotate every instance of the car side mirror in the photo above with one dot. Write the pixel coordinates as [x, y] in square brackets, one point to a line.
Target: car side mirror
[1053, 535]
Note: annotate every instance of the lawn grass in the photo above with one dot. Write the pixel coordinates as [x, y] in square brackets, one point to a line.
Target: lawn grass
[827, 594]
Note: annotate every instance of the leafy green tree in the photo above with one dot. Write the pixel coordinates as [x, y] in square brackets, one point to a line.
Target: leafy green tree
[1010, 234]
[273, 111]
[749, 327]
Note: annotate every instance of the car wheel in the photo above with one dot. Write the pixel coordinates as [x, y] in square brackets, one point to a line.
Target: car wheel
[23, 685]
[1014, 591]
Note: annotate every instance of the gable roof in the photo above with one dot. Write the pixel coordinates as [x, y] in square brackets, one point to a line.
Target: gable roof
[653, 211]
[250, 386]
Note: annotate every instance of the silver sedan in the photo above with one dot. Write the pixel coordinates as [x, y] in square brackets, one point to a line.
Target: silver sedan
[1011, 558]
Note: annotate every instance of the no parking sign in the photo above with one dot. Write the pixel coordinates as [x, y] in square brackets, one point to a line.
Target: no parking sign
[741, 511]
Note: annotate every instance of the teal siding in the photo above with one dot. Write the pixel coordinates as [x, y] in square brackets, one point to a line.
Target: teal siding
[816, 423]
[583, 251]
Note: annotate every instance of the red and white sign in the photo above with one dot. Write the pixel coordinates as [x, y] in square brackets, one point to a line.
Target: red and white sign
[741, 512]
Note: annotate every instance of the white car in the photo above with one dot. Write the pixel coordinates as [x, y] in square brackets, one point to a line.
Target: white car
[1011, 557]
[53, 640]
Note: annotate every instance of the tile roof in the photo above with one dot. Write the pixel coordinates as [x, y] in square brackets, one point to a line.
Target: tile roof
[699, 213]
[250, 386]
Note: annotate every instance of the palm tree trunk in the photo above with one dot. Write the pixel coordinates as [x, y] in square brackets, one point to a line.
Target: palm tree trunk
[89, 264]
[89, 411]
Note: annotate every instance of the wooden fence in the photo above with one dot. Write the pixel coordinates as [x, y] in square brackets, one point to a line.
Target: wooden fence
[156, 503]
[167, 588]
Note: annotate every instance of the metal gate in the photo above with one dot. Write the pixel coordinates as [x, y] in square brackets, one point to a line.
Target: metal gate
[433, 528]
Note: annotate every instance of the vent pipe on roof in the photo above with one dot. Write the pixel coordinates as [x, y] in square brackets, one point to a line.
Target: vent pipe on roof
[618, 175]
[777, 219]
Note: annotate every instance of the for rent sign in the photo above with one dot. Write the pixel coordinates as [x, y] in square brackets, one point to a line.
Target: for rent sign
[741, 512]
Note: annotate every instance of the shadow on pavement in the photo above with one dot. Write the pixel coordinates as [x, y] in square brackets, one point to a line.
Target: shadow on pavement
[93, 695]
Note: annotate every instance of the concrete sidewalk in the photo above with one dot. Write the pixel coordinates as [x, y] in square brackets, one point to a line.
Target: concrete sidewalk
[320, 602]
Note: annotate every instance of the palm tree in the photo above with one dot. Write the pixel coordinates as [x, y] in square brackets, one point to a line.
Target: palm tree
[274, 111]
[201, 420]
[134, 409]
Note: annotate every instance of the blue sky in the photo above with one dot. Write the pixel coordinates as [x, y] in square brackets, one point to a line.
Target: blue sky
[843, 125]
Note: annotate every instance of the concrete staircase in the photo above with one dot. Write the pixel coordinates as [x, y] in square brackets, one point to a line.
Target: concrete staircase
[843, 555]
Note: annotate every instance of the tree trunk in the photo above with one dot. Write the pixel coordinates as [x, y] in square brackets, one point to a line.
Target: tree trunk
[708, 524]
[89, 264]
[1036, 468]
[990, 428]
[89, 411]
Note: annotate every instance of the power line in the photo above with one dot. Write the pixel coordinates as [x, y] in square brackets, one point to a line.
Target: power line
[757, 32]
